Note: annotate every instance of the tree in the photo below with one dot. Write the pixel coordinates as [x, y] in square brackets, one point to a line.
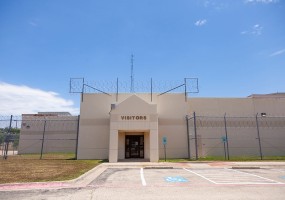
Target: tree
[13, 136]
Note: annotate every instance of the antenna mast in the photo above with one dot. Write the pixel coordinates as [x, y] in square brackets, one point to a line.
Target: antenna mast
[132, 73]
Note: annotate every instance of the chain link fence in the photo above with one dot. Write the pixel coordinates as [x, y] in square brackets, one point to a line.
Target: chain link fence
[258, 137]
[9, 135]
[39, 135]
[224, 136]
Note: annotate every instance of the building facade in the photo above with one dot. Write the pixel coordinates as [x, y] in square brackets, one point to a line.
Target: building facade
[137, 126]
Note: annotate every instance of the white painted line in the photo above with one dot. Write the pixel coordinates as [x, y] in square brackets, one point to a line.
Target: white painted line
[200, 176]
[142, 177]
[274, 182]
[278, 170]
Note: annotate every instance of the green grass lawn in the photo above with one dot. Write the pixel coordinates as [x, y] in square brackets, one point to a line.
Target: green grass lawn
[53, 167]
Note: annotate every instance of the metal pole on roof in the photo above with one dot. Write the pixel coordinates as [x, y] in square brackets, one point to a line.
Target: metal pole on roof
[82, 91]
[151, 89]
[132, 73]
[117, 94]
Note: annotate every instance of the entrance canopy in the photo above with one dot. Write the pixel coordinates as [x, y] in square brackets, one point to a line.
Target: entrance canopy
[132, 116]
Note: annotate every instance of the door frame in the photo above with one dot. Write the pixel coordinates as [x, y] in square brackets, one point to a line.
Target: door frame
[140, 147]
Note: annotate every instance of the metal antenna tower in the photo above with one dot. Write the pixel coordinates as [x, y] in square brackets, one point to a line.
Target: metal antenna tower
[132, 73]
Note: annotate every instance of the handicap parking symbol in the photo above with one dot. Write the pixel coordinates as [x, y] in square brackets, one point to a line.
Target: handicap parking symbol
[176, 179]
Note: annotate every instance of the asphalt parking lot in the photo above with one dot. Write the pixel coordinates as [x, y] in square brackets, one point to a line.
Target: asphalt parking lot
[186, 177]
[186, 181]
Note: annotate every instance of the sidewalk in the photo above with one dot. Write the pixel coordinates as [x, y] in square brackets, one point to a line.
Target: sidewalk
[88, 177]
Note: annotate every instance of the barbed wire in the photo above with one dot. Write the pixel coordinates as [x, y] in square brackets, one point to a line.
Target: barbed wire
[71, 122]
[79, 85]
[238, 122]
[36, 123]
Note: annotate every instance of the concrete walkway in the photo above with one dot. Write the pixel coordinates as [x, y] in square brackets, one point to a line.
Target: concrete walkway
[87, 178]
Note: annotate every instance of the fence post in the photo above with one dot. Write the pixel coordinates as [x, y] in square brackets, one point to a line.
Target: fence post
[77, 136]
[196, 139]
[188, 137]
[225, 151]
[2, 146]
[10, 126]
[258, 137]
[82, 91]
[43, 140]
[7, 139]
[226, 131]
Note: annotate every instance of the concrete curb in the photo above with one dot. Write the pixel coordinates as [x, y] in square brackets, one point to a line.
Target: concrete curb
[246, 167]
[162, 167]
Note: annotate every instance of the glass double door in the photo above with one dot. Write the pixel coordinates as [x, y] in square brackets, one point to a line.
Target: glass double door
[134, 146]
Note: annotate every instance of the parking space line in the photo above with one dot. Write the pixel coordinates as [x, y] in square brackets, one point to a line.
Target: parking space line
[200, 175]
[231, 176]
[142, 177]
[278, 170]
[274, 182]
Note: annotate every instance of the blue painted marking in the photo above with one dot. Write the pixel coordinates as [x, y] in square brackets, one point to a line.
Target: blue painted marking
[283, 177]
[176, 179]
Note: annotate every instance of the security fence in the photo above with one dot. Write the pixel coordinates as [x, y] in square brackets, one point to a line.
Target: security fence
[81, 85]
[9, 135]
[39, 135]
[228, 137]
[251, 137]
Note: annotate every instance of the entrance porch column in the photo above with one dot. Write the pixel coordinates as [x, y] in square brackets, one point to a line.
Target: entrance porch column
[113, 146]
[154, 149]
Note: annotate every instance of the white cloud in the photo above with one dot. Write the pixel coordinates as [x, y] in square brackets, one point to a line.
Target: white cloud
[215, 4]
[33, 23]
[201, 22]
[20, 99]
[254, 30]
[257, 29]
[207, 4]
[261, 1]
[277, 53]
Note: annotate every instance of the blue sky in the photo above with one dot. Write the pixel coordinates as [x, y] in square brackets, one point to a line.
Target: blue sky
[234, 47]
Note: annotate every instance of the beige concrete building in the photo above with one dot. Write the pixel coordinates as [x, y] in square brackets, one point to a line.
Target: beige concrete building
[133, 126]
[48, 132]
